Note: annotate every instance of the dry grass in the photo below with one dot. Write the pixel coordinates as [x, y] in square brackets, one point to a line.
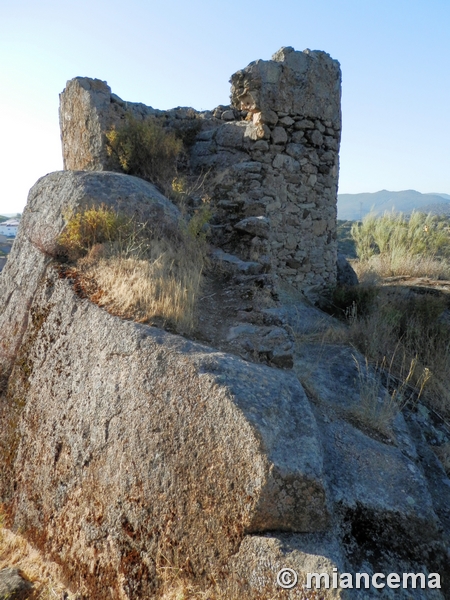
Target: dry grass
[137, 271]
[383, 395]
[162, 284]
[379, 266]
[406, 333]
[377, 407]
[403, 334]
[46, 576]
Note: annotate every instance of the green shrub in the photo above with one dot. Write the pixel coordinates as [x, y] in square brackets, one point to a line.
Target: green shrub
[196, 227]
[187, 129]
[394, 244]
[145, 149]
[395, 236]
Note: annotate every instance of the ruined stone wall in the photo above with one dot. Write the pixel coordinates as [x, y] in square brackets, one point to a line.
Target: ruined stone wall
[271, 158]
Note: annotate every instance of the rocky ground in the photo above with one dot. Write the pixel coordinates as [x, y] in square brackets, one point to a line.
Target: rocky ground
[249, 447]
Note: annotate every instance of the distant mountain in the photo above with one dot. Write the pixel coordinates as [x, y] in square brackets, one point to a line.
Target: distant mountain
[437, 209]
[443, 195]
[354, 206]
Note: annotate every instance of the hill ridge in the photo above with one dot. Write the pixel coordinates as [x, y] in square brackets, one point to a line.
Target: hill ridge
[356, 206]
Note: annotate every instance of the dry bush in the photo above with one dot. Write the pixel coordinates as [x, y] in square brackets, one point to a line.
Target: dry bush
[146, 149]
[46, 576]
[135, 270]
[403, 333]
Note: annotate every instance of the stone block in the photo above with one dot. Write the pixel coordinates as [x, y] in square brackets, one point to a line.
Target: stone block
[259, 226]
[279, 135]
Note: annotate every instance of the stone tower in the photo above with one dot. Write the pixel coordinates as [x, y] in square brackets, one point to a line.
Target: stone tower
[272, 158]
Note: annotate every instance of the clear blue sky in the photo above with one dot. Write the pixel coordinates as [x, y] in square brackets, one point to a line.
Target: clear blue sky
[394, 55]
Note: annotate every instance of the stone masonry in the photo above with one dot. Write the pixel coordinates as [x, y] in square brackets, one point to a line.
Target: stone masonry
[271, 159]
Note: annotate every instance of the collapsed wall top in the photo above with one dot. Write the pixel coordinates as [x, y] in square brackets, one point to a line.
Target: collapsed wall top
[304, 83]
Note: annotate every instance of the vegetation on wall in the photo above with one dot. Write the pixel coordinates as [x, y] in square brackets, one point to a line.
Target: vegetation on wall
[146, 149]
[149, 150]
[91, 226]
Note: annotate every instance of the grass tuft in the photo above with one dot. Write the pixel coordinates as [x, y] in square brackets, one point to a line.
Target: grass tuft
[136, 270]
[383, 395]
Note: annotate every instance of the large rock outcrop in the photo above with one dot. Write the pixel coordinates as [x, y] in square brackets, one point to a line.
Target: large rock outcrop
[272, 158]
[147, 440]
[50, 201]
[126, 449]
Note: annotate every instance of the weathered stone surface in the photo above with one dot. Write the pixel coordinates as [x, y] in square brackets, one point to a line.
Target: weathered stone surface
[192, 444]
[379, 483]
[331, 371]
[227, 115]
[84, 118]
[145, 442]
[281, 161]
[13, 586]
[301, 318]
[375, 479]
[345, 273]
[231, 135]
[49, 200]
[296, 83]
[269, 117]
[260, 558]
[279, 135]
[236, 265]
[264, 342]
[259, 226]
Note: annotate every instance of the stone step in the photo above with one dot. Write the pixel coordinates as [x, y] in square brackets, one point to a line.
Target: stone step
[233, 264]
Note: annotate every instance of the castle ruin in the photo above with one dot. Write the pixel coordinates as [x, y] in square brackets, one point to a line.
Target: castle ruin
[272, 158]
